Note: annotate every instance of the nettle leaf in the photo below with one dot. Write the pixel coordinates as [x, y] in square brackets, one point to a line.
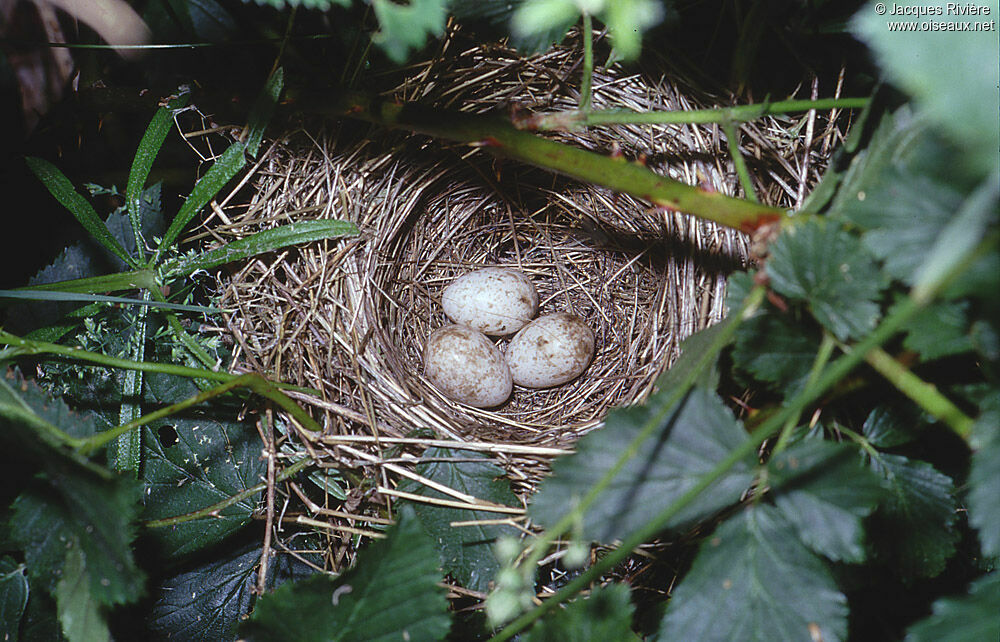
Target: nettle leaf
[690, 440]
[956, 86]
[971, 618]
[212, 460]
[984, 482]
[824, 490]
[403, 27]
[754, 580]
[466, 552]
[392, 593]
[939, 330]
[914, 529]
[605, 614]
[829, 269]
[889, 426]
[79, 614]
[75, 509]
[776, 348]
[13, 597]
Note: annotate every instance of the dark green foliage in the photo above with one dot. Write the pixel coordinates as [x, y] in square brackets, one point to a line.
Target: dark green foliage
[466, 552]
[687, 441]
[13, 597]
[970, 618]
[984, 481]
[776, 348]
[602, 616]
[754, 580]
[391, 594]
[214, 457]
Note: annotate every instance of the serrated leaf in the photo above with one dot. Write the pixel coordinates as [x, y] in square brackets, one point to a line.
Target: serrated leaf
[699, 357]
[214, 458]
[984, 482]
[888, 427]
[955, 85]
[776, 348]
[823, 489]
[13, 597]
[403, 27]
[914, 528]
[22, 399]
[939, 330]
[466, 552]
[62, 189]
[754, 580]
[261, 242]
[79, 614]
[75, 509]
[538, 24]
[604, 615]
[971, 618]
[690, 440]
[829, 269]
[392, 593]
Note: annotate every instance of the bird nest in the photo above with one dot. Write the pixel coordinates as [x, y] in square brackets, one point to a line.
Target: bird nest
[350, 317]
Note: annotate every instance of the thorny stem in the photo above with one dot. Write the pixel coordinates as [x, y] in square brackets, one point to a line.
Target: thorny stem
[214, 509]
[920, 392]
[586, 84]
[563, 121]
[837, 370]
[499, 136]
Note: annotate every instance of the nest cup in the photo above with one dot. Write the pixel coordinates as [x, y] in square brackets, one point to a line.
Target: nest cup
[350, 317]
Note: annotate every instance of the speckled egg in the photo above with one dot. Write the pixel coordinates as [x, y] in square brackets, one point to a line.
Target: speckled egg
[467, 367]
[494, 300]
[551, 350]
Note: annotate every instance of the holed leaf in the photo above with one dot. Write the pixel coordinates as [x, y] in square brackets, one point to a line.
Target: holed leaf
[605, 614]
[914, 527]
[214, 457]
[754, 580]
[689, 440]
[392, 593]
[825, 491]
[829, 269]
[466, 552]
[971, 618]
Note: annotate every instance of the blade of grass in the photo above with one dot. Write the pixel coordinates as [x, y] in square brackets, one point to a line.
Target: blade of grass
[261, 242]
[222, 171]
[263, 109]
[43, 295]
[134, 280]
[149, 148]
[62, 189]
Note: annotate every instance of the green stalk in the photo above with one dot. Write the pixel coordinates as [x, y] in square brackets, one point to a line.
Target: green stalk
[500, 137]
[586, 84]
[559, 121]
[740, 163]
[839, 369]
[920, 392]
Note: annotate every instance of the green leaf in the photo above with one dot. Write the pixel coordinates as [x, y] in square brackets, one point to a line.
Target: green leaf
[914, 529]
[149, 147]
[214, 458]
[823, 489]
[265, 241]
[627, 20]
[971, 618]
[62, 189]
[263, 109]
[702, 345]
[984, 482]
[754, 580]
[403, 27]
[690, 440]
[776, 347]
[74, 509]
[392, 593]
[79, 613]
[951, 74]
[53, 295]
[538, 24]
[939, 330]
[604, 615]
[221, 172]
[888, 427]
[13, 597]
[828, 268]
[466, 552]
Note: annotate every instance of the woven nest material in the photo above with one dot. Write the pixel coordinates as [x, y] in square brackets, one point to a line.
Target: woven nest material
[350, 317]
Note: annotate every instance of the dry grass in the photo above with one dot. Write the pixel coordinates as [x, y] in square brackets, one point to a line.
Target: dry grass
[349, 317]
